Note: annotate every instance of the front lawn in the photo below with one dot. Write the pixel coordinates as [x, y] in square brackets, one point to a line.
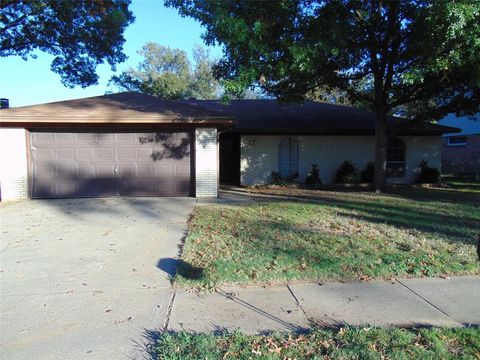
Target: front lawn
[328, 235]
[465, 185]
[349, 343]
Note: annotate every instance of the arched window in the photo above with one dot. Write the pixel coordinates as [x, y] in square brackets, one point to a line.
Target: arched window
[288, 157]
[396, 158]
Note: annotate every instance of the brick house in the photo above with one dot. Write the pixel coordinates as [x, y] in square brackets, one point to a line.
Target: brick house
[461, 150]
[131, 144]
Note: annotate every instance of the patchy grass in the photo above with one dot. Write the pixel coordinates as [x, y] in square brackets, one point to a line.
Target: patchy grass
[346, 343]
[327, 235]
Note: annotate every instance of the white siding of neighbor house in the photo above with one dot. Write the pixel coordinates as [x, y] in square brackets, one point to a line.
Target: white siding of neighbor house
[13, 164]
[206, 162]
[259, 155]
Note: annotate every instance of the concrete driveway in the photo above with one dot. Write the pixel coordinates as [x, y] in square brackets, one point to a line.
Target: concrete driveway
[87, 278]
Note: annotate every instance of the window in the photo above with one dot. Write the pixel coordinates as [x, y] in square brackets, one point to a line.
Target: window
[288, 157]
[396, 158]
[457, 141]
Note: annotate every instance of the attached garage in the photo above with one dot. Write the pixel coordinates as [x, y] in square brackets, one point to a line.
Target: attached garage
[125, 144]
[99, 164]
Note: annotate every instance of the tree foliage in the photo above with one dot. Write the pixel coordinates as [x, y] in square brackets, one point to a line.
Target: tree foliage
[167, 73]
[79, 34]
[204, 85]
[419, 58]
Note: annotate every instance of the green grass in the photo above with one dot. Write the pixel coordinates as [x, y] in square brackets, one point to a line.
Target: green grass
[348, 343]
[328, 235]
[464, 185]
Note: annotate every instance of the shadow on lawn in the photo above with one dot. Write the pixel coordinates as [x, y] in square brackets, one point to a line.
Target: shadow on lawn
[178, 266]
[404, 215]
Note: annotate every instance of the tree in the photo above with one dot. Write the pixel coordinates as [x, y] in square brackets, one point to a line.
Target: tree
[167, 73]
[328, 95]
[80, 34]
[420, 56]
[164, 72]
[204, 84]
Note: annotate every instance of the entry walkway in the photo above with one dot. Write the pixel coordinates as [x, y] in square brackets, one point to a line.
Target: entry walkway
[449, 302]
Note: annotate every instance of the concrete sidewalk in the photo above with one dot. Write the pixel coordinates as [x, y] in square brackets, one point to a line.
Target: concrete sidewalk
[415, 302]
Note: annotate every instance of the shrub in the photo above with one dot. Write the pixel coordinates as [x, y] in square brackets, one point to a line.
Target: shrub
[277, 179]
[367, 173]
[313, 177]
[427, 174]
[346, 174]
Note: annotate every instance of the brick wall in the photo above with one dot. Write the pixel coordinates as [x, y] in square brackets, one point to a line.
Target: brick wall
[259, 155]
[13, 164]
[461, 160]
[206, 162]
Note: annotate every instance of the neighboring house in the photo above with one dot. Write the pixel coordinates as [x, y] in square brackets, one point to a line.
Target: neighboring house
[461, 150]
[131, 144]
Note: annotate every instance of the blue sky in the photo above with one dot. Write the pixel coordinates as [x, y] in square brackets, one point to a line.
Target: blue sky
[32, 82]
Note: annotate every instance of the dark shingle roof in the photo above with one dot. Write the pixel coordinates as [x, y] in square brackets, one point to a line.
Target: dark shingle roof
[269, 116]
[122, 108]
[250, 116]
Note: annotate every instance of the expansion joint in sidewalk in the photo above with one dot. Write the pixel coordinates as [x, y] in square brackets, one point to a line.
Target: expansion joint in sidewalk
[169, 310]
[297, 302]
[421, 297]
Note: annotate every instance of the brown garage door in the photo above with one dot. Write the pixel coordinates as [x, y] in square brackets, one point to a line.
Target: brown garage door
[65, 164]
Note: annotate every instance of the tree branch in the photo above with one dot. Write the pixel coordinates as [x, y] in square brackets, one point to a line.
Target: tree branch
[13, 23]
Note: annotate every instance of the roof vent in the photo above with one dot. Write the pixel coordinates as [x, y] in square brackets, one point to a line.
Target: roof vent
[4, 103]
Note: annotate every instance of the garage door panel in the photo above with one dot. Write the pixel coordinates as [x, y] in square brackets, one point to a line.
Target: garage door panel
[47, 138]
[164, 170]
[45, 172]
[86, 154]
[141, 188]
[182, 186]
[126, 153]
[106, 170]
[145, 170]
[43, 189]
[144, 154]
[64, 137]
[87, 171]
[86, 137]
[44, 154]
[107, 154]
[65, 154]
[182, 169]
[100, 187]
[66, 172]
[126, 171]
[126, 138]
[110, 164]
[66, 187]
[105, 138]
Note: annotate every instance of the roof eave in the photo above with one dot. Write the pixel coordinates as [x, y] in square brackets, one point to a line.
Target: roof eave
[348, 132]
[16, 121]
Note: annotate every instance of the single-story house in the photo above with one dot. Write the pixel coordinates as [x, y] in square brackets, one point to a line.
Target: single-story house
[130, 144]
[461, 150]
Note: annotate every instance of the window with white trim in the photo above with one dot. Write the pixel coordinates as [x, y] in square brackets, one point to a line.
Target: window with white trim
[457, 140]
[288, 157]
[396, 158]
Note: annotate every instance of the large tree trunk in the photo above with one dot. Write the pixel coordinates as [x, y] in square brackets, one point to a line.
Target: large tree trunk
[381, 142]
